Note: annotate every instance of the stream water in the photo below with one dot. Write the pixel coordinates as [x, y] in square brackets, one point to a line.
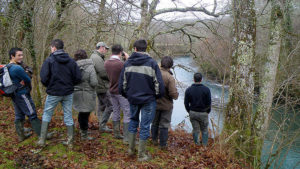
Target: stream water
[288, 138]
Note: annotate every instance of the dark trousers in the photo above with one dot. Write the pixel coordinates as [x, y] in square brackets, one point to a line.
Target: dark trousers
[83, 119]
[162, 118]
[24, 105]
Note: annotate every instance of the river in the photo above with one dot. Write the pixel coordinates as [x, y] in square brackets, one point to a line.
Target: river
[288, 158]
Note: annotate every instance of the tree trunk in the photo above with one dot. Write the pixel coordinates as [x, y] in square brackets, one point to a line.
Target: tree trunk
[239, 110]
[28, 22]
[101, 23]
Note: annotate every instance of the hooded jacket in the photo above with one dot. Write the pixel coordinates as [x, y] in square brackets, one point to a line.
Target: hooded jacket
[140, 79]
[60, 73]
[84, 99]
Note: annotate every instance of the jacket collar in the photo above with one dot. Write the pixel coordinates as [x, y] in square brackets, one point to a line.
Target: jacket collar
[114, 57]
[99, 54]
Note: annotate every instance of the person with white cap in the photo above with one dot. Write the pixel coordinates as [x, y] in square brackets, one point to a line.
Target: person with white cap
[104, 105]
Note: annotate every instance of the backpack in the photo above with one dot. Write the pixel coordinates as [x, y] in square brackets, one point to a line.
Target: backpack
[7, 88]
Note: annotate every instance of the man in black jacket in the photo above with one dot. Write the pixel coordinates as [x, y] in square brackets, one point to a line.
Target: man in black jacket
[59, 73]
[197, 101]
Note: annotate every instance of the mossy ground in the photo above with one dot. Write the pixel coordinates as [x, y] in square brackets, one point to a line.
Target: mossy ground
[104, 151]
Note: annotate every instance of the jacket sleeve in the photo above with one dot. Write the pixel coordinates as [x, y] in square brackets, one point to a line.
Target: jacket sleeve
[45, 73]
[23, 75]
[186, 100]
[122, 85]
[208, 101]
[172, 89]
[76, 74]
[99, 67]
[93, 78]
[159, 81]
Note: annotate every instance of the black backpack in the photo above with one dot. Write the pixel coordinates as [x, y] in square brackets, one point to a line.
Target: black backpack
[7, 87]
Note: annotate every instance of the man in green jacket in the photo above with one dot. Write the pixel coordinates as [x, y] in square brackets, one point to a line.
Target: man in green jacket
[104, 104]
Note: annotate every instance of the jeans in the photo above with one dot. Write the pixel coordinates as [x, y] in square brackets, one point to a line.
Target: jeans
[24, 105]
[119, 102]
[147, 114]
[51, 103]
[83, 119]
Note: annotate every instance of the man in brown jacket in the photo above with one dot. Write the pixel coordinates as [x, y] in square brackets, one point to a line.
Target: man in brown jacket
[164, 106]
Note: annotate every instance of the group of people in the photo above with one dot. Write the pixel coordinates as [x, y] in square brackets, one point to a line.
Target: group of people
[134, 85]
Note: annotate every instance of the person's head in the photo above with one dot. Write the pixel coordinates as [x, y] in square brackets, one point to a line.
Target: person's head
[140, 45]
[166, 62]
[56, 44]
[101, 47]
[197, 77]
[117, 49]
[16, 55]
[80, 54]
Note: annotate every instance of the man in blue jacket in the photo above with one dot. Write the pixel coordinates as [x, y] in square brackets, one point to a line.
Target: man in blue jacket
[141, 83]
[22, 100]
[59, 73]
[197, 101]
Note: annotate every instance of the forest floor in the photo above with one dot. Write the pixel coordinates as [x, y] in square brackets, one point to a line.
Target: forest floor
[104, 151]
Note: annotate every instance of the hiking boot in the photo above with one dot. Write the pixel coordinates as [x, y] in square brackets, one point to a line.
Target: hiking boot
[43, 134]
[143, 154]
[105, 129]
[131, 141]
[19, 125]
[70, 139]
[196, 138]
[125, 133]
[85, 136]
[204, 138]
[163, 138]
[117, 134]
[36, 126]
[154, 134]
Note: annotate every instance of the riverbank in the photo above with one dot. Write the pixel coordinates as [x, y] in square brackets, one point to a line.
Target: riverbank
[104, 152]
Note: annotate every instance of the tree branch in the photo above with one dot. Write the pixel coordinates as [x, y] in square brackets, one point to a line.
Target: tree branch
[188, 9]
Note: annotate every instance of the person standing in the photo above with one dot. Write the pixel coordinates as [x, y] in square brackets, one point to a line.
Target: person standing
[104, 104]
[141, 83]
[197, 101]
[84, 100]
[59, 73]
[164, 108]
[22, 101]
[113, 67]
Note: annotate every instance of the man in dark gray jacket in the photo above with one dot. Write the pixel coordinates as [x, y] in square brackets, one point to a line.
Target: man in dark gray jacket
[104, 105]
[59, 73]
[197, 102]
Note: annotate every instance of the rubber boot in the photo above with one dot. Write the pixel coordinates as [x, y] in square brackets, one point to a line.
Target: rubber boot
[125, 133]
[117, 134]
[19, 125]
[131, 140]
[85, 136]
[70, 139]
[36, 126]
[163, 138]
[204, 138]
[196, 138]
[43, 134]
[154, 134]
[143, 154]
[102, 125]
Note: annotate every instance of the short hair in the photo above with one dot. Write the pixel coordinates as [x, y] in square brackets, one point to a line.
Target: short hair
[140, 45]
[13, 51]
[59, 44]
[116, 49]
[98, 47]
[166, 62]
[198, 77]
[80, 54]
